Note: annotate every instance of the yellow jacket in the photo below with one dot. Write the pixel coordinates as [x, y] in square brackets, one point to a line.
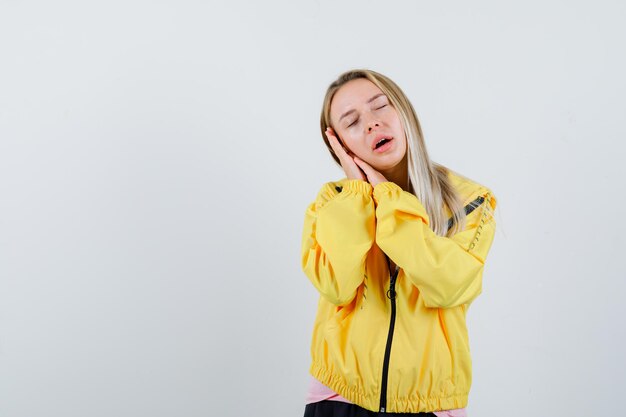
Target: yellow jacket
[393, 344]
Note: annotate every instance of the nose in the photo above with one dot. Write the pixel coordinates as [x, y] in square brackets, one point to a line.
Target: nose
[369, 128]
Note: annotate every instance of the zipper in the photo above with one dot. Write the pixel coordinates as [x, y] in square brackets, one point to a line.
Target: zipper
[391, 294]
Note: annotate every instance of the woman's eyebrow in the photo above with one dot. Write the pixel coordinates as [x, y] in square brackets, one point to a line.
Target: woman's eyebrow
[369, 101]
[375, 97]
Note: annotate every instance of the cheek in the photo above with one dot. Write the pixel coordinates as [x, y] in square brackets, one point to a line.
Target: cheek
[348, 141]
[404, 146]
[400, 130]
[353, 142]
[397, 123]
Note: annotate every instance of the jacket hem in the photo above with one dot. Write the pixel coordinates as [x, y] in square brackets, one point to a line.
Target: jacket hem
[426, 404]
[411, 404]
[337, 384]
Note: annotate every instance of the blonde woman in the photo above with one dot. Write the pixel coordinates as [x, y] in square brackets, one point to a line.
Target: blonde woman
[396, 250]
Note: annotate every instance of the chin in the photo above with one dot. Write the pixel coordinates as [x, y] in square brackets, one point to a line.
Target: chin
[386, 165]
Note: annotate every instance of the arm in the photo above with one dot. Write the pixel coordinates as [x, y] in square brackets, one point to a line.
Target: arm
[447, 270]
[338, 232]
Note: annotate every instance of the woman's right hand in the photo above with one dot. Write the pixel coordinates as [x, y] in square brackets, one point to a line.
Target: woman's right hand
[352, 170]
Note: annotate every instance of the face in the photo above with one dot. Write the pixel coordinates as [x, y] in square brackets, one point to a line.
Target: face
[361, 116]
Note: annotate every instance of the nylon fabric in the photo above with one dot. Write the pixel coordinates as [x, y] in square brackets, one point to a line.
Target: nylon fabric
[347, 231]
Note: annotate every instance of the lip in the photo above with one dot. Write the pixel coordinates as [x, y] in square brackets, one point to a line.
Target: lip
[379, 137]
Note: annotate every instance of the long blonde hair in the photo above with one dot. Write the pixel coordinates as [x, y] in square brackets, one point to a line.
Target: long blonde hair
[428, 180]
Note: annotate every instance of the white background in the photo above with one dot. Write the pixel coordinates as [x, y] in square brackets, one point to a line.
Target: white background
[156, 159]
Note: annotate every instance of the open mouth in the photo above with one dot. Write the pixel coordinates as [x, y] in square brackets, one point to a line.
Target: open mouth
[383, 144]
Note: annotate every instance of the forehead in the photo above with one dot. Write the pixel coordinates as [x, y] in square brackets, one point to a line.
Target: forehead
[351, 94]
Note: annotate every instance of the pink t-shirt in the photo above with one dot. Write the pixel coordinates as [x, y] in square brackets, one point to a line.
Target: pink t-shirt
[319, 392]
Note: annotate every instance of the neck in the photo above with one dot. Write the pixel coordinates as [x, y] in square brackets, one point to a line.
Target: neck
[398, 174]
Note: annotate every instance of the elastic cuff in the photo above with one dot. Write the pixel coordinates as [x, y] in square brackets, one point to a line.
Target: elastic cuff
[356, 185]
[388, 189]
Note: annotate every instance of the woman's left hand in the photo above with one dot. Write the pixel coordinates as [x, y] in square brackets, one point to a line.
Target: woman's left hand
[373, 177]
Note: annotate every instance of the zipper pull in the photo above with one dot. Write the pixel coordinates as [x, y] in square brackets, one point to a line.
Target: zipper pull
[391, 292]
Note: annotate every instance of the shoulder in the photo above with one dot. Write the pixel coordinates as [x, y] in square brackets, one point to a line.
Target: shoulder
[467, 187]
[470, 190]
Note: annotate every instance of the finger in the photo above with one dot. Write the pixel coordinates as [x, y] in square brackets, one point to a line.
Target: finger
[373, 175]
[364, 166]
[339, 141]
[336, 145]
[351, 169]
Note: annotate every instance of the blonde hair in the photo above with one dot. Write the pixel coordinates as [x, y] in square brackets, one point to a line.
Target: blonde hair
[428, 180]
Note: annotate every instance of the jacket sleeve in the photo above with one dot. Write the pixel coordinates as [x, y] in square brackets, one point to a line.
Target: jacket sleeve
[446, 270]
[338, 232]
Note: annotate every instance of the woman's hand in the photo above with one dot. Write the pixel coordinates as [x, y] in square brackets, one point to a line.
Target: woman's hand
[348, 164]
[374, 177]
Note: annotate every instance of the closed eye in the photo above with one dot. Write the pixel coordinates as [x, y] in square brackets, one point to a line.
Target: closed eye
[356, 120]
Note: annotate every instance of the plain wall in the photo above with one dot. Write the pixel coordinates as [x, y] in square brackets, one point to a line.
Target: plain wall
[156, 160]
